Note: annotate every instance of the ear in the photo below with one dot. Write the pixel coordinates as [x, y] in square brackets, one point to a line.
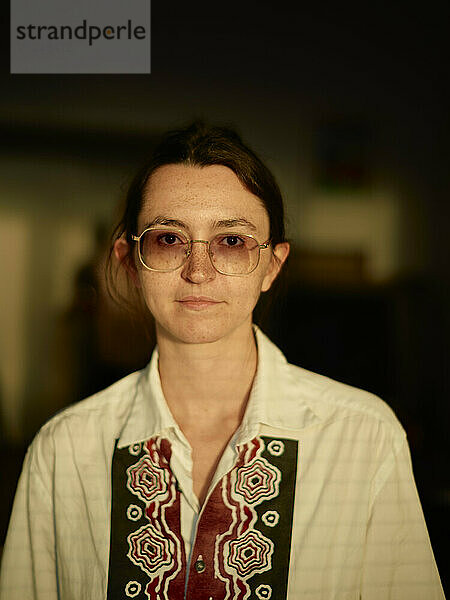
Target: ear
[123, 253]
[279, 256]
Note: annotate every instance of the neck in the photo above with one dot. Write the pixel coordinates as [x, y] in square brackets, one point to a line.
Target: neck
[209, 381]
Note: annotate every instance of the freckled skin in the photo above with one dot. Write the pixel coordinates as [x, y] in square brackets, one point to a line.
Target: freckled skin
[198, 197]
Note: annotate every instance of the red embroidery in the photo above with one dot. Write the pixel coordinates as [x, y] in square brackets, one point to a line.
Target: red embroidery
[231, 548]
[157, 548]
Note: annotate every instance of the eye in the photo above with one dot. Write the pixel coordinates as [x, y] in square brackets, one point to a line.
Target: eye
[169, 239]
[231, 241]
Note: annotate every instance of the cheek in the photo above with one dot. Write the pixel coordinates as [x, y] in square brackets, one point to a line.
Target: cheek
[154, 289]
[247, 290]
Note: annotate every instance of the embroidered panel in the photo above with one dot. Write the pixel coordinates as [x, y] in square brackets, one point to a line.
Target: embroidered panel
[244, 533]
[147, 551]
[242, 547]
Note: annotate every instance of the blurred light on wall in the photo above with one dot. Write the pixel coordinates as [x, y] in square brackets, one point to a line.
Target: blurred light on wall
[358, 222]
[15, 252]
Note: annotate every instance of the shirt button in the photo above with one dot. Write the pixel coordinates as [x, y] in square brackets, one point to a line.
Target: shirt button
[200, 565]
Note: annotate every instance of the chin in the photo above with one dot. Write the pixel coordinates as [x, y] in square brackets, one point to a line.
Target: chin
[198, 331]
[200, 334]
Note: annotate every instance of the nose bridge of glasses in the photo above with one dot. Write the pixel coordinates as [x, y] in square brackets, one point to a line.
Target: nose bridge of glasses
[200, 242]
[200, 255]
[190, 248]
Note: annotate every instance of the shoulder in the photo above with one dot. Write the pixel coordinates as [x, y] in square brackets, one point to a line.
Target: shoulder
[305, 398]
[334, 399]
[91, 422]
[345, 412]
[346, 424]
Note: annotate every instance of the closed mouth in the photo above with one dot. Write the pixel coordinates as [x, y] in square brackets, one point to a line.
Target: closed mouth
[199, 299]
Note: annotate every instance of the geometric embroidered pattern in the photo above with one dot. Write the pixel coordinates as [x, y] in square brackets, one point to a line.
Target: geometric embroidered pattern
[147, 480]
[135, 449]
[150, 550]
[275, 447]
[257, 481]
[134, 513]
[155, 548]
[249, 554]
[270, 518]
[263, 592]
[133, 589]
[241, 549]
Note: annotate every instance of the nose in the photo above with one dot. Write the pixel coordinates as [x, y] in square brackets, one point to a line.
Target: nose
[198, 267]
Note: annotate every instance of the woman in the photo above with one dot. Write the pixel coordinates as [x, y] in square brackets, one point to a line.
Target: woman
[219, 471]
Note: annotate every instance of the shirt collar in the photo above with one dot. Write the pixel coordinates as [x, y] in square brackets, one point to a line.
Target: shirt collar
[277, 399]
[149, 414]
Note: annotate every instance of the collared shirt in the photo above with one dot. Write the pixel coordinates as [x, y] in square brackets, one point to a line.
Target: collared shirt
[314, 497]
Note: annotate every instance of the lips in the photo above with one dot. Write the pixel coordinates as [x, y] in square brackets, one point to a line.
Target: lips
[198, 302]
[198, 299]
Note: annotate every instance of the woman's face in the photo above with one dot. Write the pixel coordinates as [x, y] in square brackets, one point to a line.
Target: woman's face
[197, 200]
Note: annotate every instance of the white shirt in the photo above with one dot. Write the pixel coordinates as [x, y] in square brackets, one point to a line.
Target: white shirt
[357, 529]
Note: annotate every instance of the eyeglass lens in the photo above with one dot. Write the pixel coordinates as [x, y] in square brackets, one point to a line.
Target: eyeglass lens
[164, 250]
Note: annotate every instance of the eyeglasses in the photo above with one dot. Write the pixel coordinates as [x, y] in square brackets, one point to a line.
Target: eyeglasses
[168, 249]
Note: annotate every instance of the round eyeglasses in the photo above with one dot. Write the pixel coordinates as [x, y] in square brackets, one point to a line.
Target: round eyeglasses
[168, 249]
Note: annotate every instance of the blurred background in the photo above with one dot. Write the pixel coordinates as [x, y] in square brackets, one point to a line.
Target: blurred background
[349, 108]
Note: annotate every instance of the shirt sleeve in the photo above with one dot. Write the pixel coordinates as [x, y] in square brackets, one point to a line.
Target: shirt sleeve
[399, 562]
[28, 569]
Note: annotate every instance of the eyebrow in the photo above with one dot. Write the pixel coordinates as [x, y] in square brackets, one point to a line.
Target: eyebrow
[235, 222]
[220, 224]
[165, 221]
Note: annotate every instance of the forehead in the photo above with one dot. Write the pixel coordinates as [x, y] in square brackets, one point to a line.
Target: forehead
[200, 196]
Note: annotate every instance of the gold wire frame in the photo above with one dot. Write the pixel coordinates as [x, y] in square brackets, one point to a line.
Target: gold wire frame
[137, 238]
